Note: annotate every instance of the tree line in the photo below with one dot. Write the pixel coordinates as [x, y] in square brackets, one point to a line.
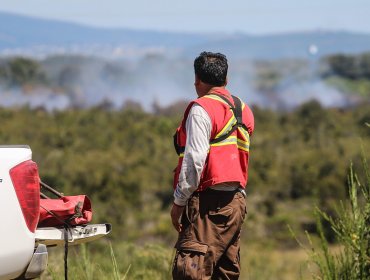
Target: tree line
[354, 67]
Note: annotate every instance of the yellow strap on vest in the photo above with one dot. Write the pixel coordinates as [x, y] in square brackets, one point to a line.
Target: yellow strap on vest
[215, 97]
[227, 127]
[233, 140]
[242, 144]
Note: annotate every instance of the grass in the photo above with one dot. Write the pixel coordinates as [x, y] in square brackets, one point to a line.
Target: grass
[118, 261]
[128, 261]
[263, 263]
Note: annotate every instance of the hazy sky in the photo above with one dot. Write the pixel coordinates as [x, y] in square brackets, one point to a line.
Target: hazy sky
[250, 16]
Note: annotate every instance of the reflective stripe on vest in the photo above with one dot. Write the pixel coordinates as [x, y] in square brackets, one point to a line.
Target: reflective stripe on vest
[233, 140]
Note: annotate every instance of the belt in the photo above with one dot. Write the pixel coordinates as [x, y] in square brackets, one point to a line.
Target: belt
[225, 191]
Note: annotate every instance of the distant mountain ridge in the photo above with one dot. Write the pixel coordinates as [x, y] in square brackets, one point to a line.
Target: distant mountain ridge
[23, 32]
[293, 45]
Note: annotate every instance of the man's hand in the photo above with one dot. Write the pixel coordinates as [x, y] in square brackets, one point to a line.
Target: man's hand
[176, 212]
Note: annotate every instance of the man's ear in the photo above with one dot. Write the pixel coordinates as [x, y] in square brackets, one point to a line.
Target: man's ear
[226, 80]
[196, 81]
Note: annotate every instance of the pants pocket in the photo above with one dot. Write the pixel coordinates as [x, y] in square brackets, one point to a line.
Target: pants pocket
[189, 260]
[221, 216]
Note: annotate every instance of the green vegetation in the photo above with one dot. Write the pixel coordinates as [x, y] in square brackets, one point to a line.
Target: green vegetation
[124, 160]
[136, 262]
[352, 232]
[19, 71]
[348, 73]
[105, 261]
[352, 67]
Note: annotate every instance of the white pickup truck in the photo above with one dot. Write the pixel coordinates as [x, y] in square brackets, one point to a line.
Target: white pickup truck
[23, 245]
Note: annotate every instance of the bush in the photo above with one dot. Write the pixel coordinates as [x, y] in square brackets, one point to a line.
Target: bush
[352, 231]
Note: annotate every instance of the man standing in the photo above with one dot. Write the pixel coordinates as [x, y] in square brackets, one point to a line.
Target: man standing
[212, 142]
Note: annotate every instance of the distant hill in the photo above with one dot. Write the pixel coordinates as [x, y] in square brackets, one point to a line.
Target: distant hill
[27, 33]
[291, 45]
[22, 31]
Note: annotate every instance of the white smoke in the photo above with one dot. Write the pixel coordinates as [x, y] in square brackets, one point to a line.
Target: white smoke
[296, 94]
[158, 79]
[16, 97]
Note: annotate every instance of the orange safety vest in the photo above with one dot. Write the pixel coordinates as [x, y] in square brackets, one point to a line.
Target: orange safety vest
[228, 156]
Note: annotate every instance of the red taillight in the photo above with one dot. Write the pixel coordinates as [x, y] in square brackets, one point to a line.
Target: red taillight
[26, 182]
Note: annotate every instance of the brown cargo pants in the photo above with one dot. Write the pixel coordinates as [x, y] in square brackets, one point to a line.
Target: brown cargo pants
[208, 246]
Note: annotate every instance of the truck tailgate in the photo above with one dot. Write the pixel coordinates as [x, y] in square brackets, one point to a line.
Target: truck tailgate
[54, 236]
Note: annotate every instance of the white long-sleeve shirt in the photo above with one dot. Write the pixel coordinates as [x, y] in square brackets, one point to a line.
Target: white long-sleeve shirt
[198, 133]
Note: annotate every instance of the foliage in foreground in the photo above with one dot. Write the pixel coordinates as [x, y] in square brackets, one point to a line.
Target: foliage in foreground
[352, 231]
[129, 261]
[120, 261]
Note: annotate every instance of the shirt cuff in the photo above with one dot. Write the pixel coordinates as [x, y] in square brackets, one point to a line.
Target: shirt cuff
[179, 203]
[180, 197]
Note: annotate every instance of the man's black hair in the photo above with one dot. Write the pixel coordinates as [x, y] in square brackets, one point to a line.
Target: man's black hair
[211, 68]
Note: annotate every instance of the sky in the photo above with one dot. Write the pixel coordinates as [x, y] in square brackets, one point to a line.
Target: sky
[246, 16]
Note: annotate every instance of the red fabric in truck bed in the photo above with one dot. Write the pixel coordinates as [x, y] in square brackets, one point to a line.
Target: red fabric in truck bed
[73, 210]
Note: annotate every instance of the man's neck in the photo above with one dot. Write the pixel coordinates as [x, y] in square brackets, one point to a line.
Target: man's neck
[211, 89]
[219, 90]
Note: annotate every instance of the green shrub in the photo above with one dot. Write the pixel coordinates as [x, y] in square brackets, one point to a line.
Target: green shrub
[352, 231]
